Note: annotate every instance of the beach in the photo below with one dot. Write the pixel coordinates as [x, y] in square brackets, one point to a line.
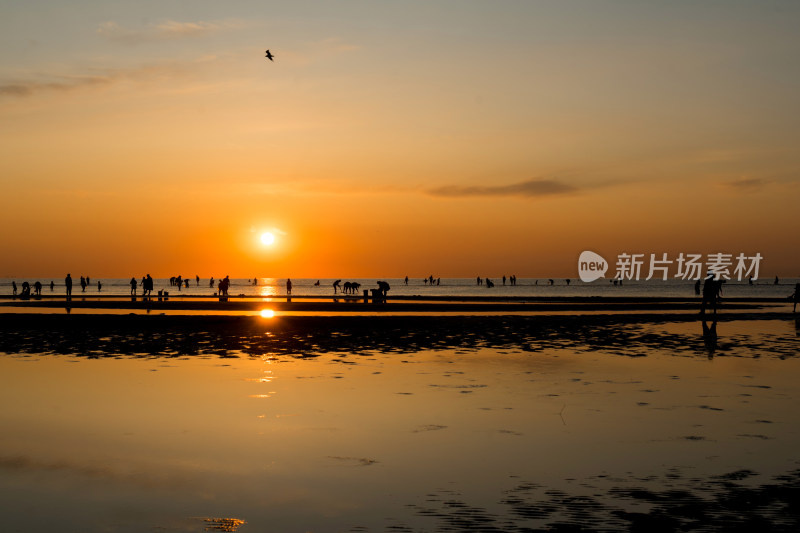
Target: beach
[202, 415]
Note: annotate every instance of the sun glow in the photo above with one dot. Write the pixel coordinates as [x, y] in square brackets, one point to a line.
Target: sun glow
[267, 238]
[267, 313]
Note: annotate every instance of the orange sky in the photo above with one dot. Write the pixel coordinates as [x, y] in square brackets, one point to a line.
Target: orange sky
[444, 138]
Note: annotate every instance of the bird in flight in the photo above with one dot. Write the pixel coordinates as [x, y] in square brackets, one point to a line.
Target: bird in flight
[269, 56]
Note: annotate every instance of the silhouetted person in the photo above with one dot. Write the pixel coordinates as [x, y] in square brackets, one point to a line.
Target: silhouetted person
[697, 287]
[211, 283]
[750, 280]
[197, 280]
[776, 280]
[317, 284]
[99, 286]
[288, 286]
[504, 280]
[14, 287]
[83, 284]
[478, 280]
[551, 281]
[406, 280]
[147, 286]
[133, 286]
[26, 290]
[710, 338]
[68, 285]
[796, 296]
[711, 290]
[52, 285]
[37, 288]
[384, 288]
[568, 282]
[336, 285]
[489, 283]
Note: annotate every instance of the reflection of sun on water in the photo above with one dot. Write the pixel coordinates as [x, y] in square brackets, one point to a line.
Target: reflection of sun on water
[268, 287]
[267, 313]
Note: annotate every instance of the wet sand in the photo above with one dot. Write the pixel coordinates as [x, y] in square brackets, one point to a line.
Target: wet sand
[110, 335]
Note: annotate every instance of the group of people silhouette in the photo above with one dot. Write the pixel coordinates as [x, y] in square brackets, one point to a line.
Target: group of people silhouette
[147, 285]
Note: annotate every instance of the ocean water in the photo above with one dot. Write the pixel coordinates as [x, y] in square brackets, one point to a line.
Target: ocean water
[250, 427]
[454, 287]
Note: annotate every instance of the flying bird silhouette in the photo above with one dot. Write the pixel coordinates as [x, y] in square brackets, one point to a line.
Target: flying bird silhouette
[269, 56]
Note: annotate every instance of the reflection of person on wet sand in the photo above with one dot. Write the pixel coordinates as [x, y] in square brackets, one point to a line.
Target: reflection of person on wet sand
[710, 338]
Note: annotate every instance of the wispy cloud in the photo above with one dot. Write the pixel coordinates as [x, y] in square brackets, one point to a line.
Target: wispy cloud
[95, 78]
[526, 189]
[165, 30]
[63, 83]
[746, 184]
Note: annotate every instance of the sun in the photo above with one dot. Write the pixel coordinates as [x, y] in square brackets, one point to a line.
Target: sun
[267, 238]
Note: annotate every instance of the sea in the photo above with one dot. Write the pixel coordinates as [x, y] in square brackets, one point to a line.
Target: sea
[441, 288]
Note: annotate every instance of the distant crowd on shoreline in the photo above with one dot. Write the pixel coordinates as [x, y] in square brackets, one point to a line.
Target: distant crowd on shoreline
[710, 288]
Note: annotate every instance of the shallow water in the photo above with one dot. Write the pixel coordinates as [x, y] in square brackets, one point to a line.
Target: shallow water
[453, 435]
[452, 287]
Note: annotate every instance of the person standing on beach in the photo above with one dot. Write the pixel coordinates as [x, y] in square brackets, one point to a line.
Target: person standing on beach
[336, 285]
[147, 286]
[796, 296]
[83, 284]
[288, 286]
[14, 287]
[68, 285]
[133, 286]
[99, 285]
[711, 290]
[52, 285]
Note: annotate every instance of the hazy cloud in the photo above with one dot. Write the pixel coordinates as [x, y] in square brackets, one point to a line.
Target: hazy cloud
[66, 83]
[526, 189]
[166, 30]
[746, 184]
[98, 77]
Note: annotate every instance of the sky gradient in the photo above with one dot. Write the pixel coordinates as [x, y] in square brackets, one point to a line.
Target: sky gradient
[454, 138]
